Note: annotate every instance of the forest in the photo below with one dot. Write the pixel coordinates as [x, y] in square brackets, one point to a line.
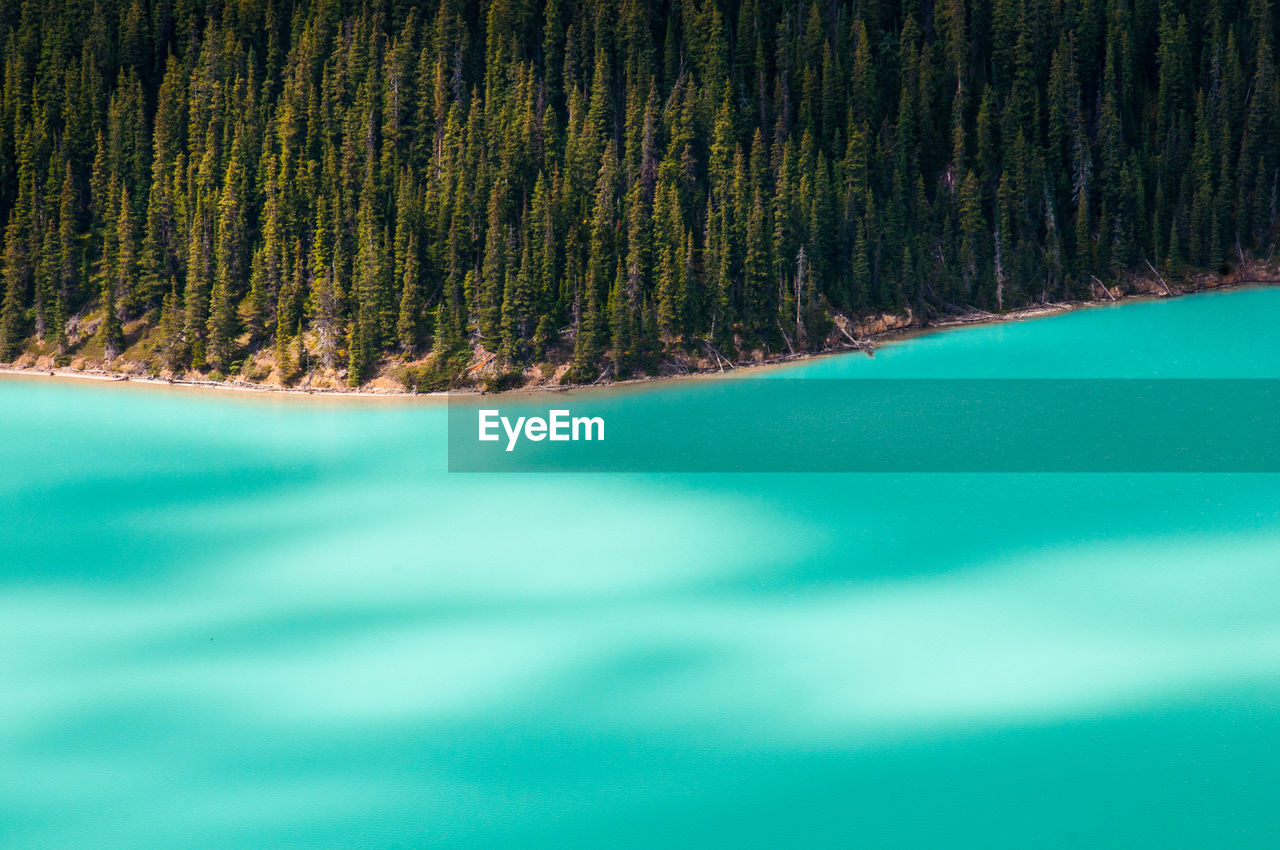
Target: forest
[270, 189]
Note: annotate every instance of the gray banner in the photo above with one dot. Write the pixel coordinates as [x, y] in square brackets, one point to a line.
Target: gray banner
[876, 425]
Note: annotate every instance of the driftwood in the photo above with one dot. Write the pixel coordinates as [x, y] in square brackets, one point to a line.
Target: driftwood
[857, 344]
[1104, 288]
[721, 360]
[786, 339]
[1158, 277]
[675, 367]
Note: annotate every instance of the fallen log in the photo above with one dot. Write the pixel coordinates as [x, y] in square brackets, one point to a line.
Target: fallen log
[1104, 288]
[1158, 277]
[786, 339]
[858, 344]
[721, 360]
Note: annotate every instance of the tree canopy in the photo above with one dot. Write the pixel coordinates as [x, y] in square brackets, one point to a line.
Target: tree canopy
[334, 183]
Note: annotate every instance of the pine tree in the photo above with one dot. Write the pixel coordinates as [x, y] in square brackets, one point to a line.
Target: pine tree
[448, 335]
[13, 319]
[622, 322]
[412, 300]
[171, 349]
[586, 344]
[221, 327]
[318, 182]
[973, 229]
[110, 333]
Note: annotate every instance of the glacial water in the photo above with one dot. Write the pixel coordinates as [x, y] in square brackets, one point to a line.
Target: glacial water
[231, 620]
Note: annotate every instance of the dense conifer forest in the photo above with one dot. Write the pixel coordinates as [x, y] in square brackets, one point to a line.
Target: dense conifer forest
[293, 187]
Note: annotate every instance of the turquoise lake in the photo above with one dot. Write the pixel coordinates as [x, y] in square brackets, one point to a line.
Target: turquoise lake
[244, 620]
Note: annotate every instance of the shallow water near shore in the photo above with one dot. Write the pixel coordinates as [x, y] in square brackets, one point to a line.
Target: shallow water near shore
[251, 621]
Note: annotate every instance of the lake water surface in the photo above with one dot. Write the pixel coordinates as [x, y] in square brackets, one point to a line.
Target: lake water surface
[251, 621]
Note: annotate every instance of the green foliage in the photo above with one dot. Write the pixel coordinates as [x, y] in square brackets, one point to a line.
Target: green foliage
[502, 381]
[110, 332]
[336, 183]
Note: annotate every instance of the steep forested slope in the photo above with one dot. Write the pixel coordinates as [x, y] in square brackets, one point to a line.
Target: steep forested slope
[282, 187]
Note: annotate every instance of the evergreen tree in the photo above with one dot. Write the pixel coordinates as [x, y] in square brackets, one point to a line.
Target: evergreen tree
[412, 300]
[110, 333]
[326, 185]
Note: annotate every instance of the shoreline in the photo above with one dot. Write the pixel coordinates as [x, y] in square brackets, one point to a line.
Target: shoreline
[866, 345]
[243, 388]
